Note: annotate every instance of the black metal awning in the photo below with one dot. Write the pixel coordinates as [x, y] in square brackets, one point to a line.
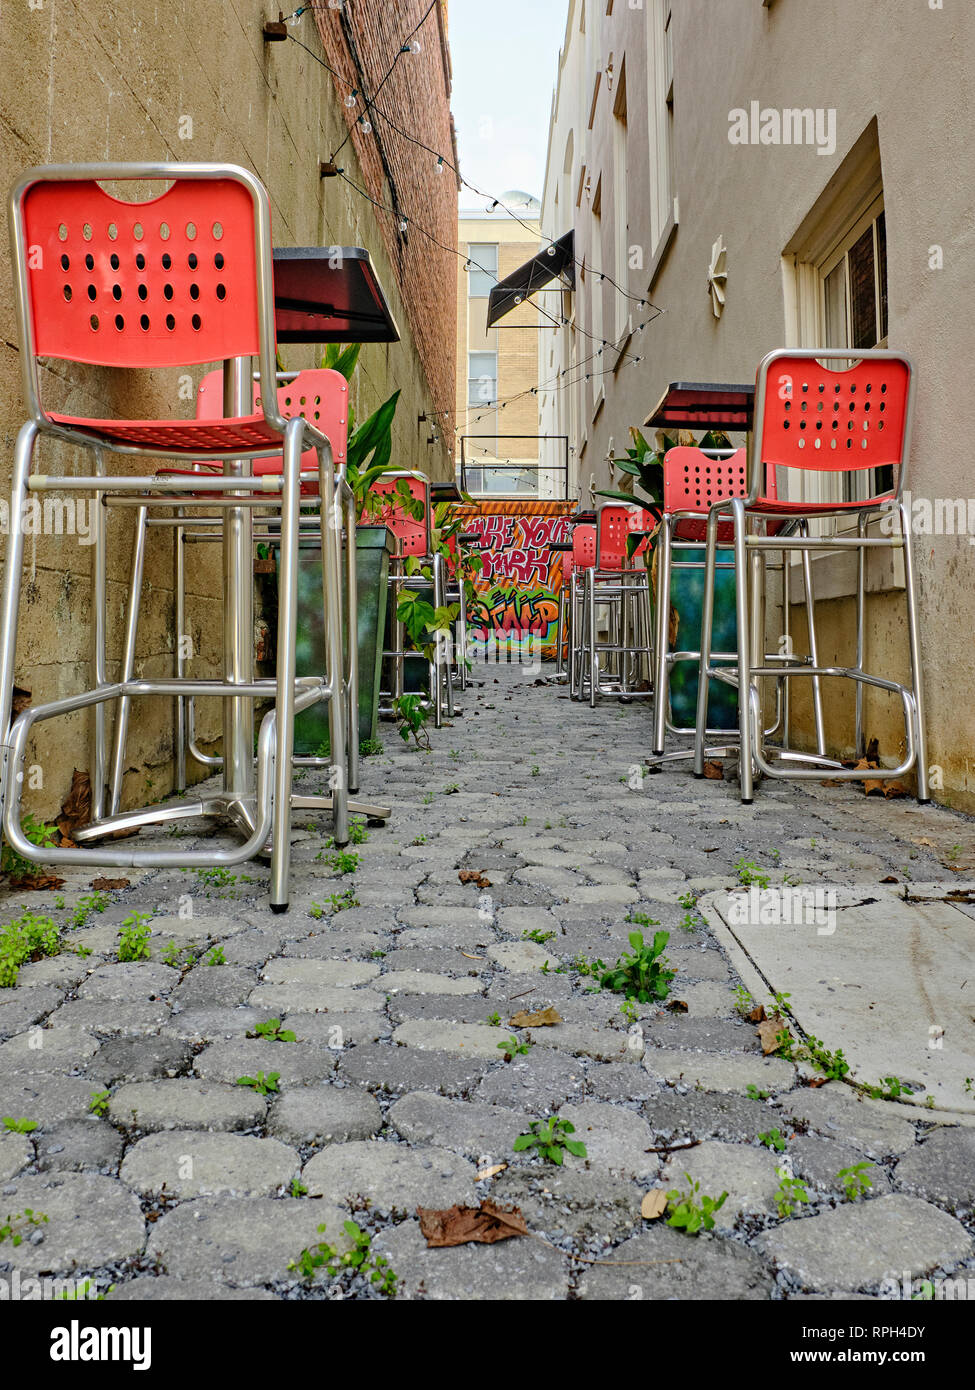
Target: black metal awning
[555, 261]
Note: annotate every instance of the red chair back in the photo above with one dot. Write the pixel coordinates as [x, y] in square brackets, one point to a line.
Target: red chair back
[412, 533]
[842, 421]
[321, 395]
[163, 283]
[616, 523]
[583, 547]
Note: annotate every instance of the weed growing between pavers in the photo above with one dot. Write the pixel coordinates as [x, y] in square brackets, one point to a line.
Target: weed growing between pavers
[27, 938]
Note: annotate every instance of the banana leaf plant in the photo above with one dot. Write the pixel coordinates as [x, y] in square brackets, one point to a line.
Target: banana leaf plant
[370, 445]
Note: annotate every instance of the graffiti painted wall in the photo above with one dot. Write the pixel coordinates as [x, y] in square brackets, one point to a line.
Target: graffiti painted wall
[518, 587]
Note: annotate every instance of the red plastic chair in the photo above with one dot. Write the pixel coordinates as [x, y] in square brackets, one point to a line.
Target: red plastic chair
[620, 583]
[179, 279]
[814, 418]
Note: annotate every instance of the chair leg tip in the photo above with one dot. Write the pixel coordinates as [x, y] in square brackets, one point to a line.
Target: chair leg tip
[747, 800]
[279, 907]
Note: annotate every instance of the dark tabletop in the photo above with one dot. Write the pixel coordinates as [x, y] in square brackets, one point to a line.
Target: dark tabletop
[704, 405]
[329, 294]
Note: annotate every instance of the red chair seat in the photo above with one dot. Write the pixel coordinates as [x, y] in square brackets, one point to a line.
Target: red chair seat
[180, 436]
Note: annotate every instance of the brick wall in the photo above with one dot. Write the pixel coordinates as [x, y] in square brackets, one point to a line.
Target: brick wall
[362, 43]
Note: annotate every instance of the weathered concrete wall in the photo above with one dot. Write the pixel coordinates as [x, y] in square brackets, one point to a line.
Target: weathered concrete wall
[177, 82]
[904, 67]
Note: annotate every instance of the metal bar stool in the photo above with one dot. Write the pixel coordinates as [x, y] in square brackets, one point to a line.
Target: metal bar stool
[847, 421]
[183, 278]
[624, 590]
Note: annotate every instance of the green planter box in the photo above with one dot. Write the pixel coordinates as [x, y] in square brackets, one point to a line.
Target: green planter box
[687, 596]
[374, 546]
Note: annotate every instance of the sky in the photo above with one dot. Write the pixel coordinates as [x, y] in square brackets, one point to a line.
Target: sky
[505, 57]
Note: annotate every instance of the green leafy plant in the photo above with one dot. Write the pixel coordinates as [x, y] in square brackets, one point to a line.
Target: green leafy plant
[91, 902]
[15, 1227]
[133, 937]
[344, 861]
[754, 1093]
[28, 938]
[494, 1019]
[98, 1104]
[272, 1031]
[341, 902]
[890, 1088]
[693, 1210]
[44, 836]
[298, 1188]
[855, 1180]
[361, 1259]
[791, 1193]
[176, 956]
[13, 1126]
[263, 1085]
[833, 1065]
[216, 956]
[370, 748]
[641, 975]
[550, 1139]
[537, 935]
[411, 714]
[772, 1139]
[511, 1048]
[744, 1003]
[749, 873]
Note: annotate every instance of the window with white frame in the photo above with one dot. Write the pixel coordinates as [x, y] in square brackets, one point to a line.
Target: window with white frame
[482, 275]
[660, 88]
[482, 378]
[620, 153]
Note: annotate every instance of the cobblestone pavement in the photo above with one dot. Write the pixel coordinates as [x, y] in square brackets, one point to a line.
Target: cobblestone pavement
[394, 980]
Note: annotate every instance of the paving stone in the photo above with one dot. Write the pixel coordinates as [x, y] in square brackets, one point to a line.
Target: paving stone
[710, 1035]
[47, 1098]
[186, 1103]
[718, 1071]
[241, 1241]
[16, 1151]
[747, 1175]
[129, 984]
[696, 965]
[252, 948]
[326, 946]
[520, 957]
[602, 1044]
[512, 1271]
[339, 974]
[855, 1247]
[211, 985]
[942, 1169]
[63, 972]
[702, 1115]
[48, 1049]
[435, 961]
[91, 1221]
[297, 1063]
[79, 1146]
[515, 920]
[418, 982]
[468, 1039]
[818, 1161]
[338, 1031]
[571, 1201]
[448, 917]
[616, 1139]
[392, 1177]
[536, 1084]
[604, 895]
[197, 1164]
[162, 1288]
[317, 1115]
[402, 1069]
[142, 1059]
[874, 1127]
[475, 938]
[463, 1008]
[205, 1024]
[485, 1133]
[674, 1266]
[617, 1081]
[108, 1019]
[305, 998]
[19, 1009]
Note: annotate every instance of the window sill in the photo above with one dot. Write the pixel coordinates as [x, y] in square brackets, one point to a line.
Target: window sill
[663, 247]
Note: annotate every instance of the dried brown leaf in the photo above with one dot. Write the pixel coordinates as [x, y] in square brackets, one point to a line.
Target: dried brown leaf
[108, 885]
[37, 883]
[677, 1006]
[714, 771]
[544, 1018]
[76, 810]
[654, 1204]
[458, 1225]
[769, 1033]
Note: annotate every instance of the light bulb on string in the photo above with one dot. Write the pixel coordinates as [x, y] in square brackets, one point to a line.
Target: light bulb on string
[352, 99]
[365, 125]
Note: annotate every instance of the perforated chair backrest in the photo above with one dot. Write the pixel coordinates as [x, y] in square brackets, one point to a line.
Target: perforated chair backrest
[320, 394]
[693, 480]
[413, 534]
[812, 417]
[162, 283]
[583, 547]
[616, 523]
